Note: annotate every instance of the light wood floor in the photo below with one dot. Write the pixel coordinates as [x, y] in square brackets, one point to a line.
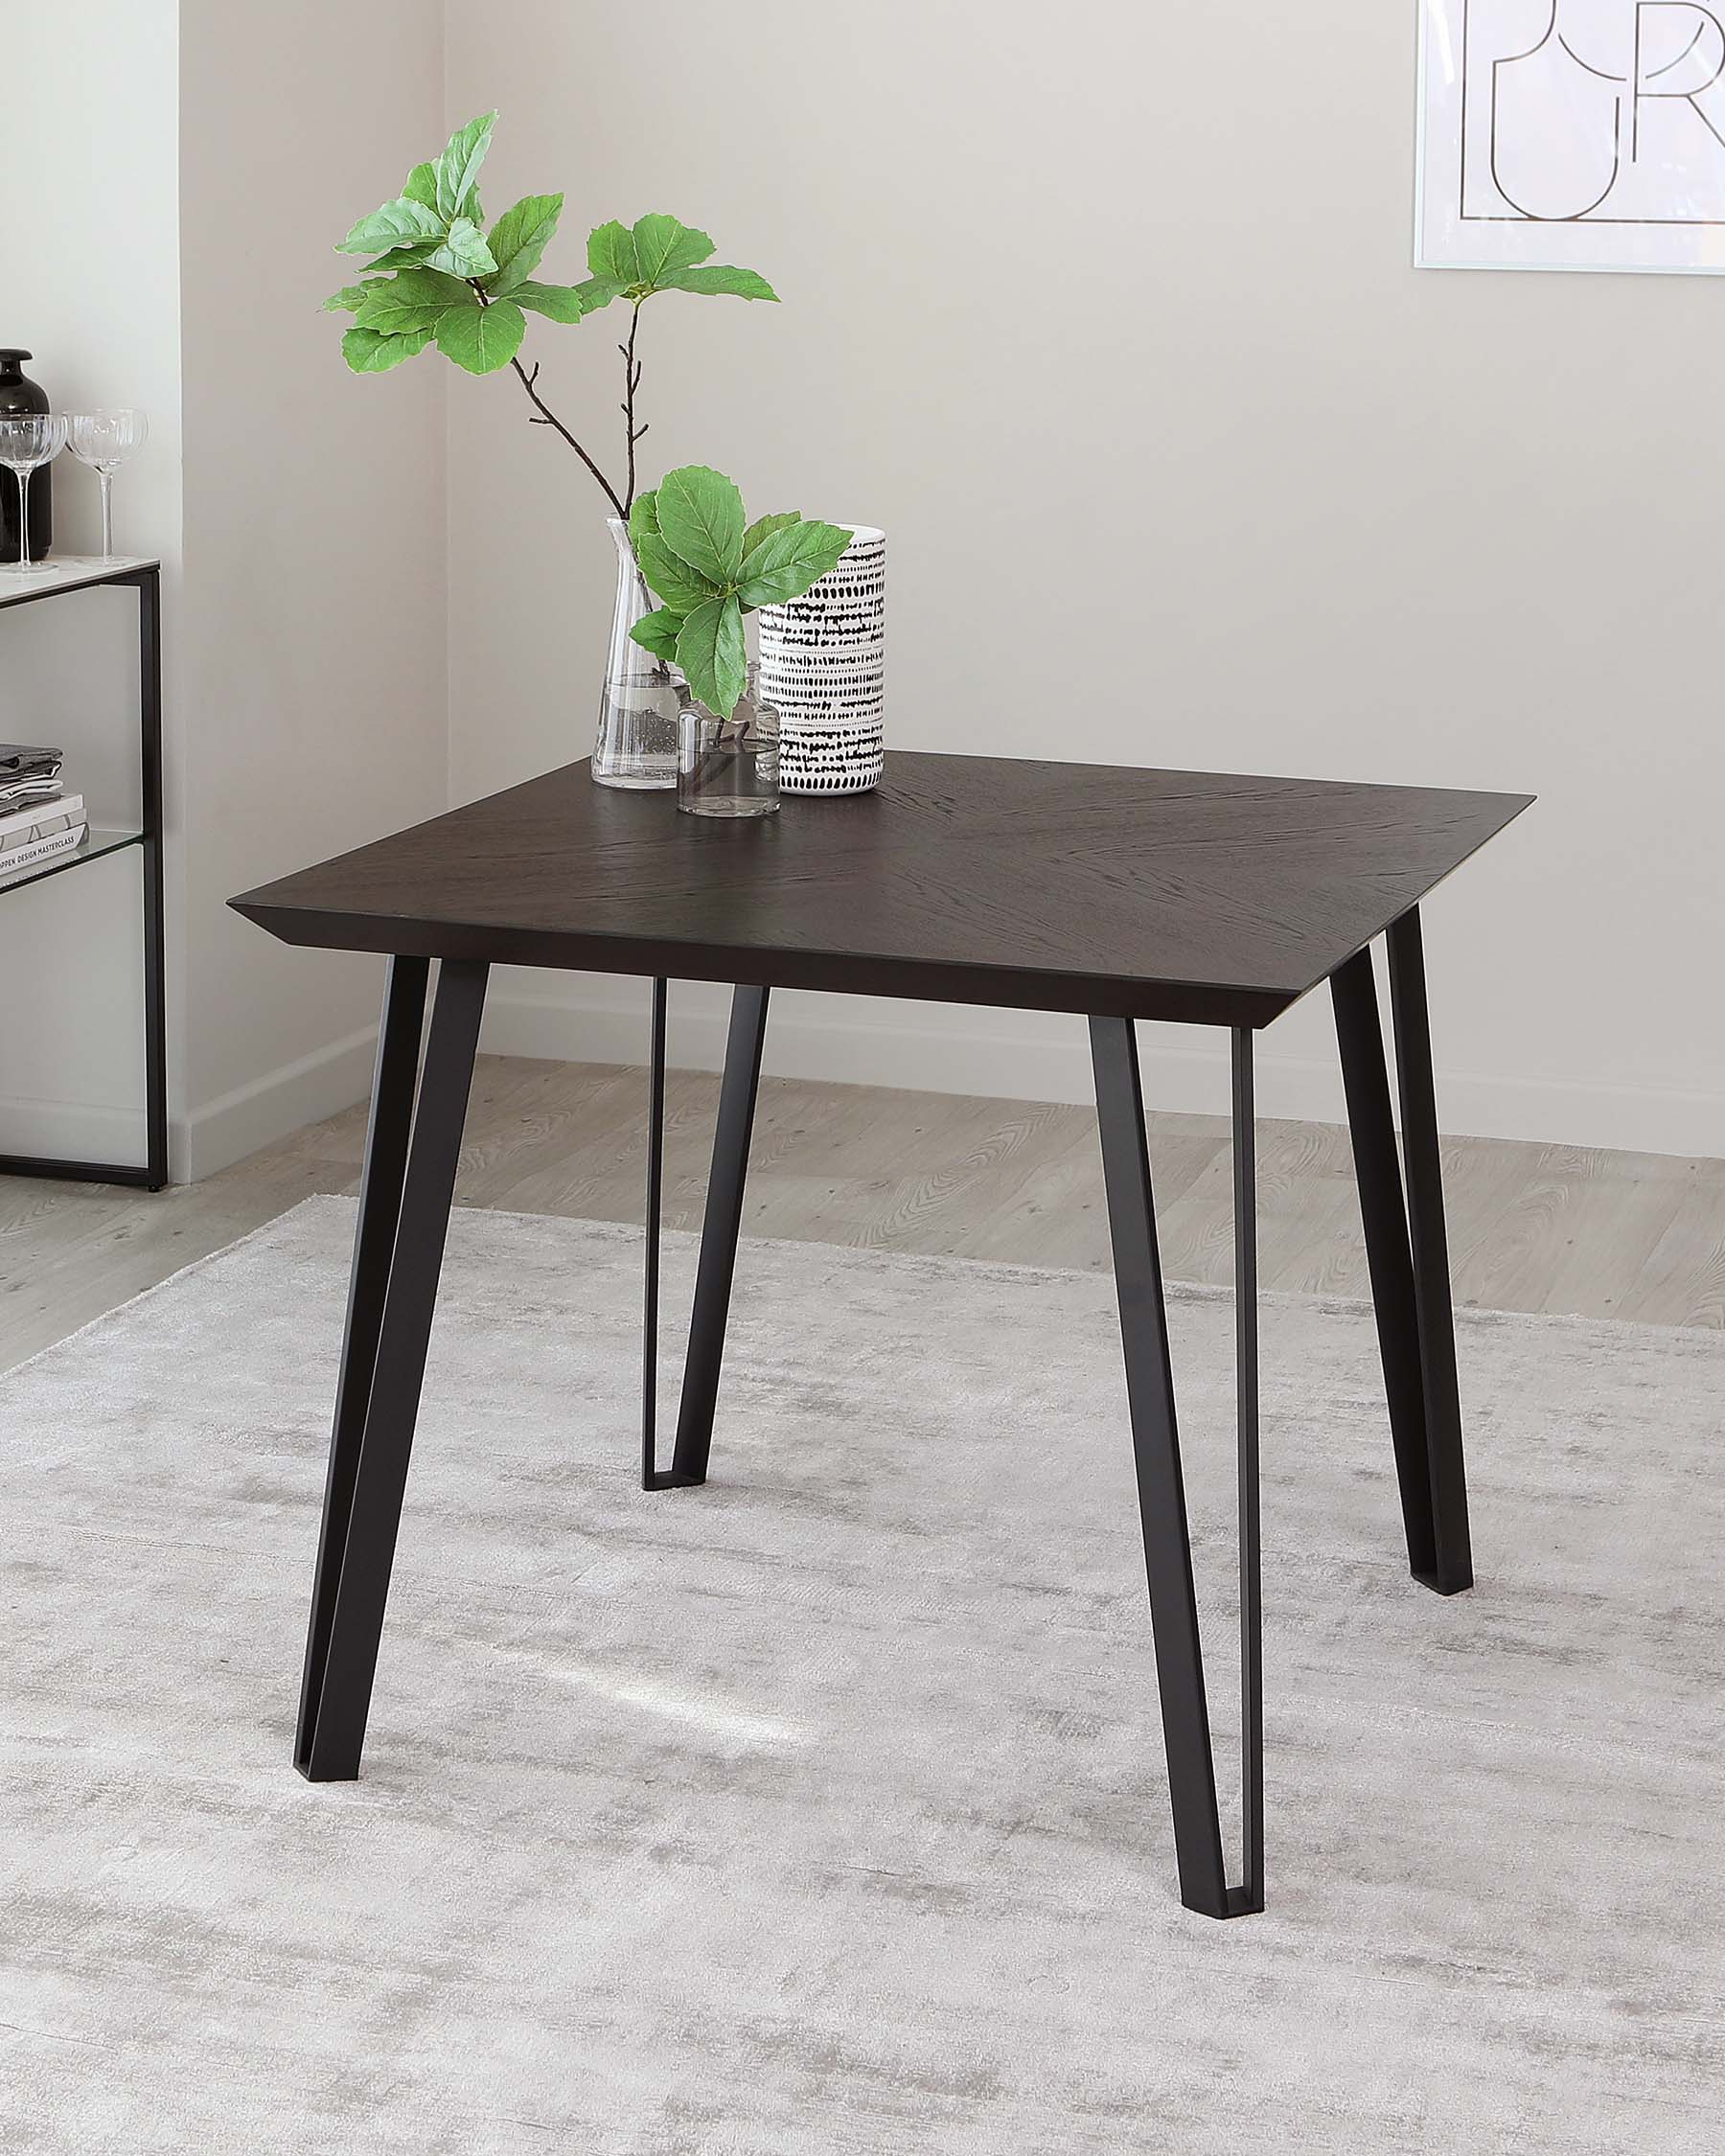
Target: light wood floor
[1532, 1228]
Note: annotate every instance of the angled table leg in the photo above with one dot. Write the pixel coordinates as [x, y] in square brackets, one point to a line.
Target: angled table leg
[653, 1475]
[1407, 1254]
[393, 1082]
[720, 1226]
[1161, 1490]
[337, 1718]
[1377, 1171]
[1247, 1898]
[1430, 1240]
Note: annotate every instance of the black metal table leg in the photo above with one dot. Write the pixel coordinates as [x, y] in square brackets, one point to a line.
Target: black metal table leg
[1161, 1489]
[355, 1623]
[653, 1475]
[721, 1226]
[1247, 1898]
[1409, 1267]
[1430, 1242]
[1377, 1171]
[374, 1247]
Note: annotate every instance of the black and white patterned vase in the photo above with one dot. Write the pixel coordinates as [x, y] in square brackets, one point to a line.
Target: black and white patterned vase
[823, 661]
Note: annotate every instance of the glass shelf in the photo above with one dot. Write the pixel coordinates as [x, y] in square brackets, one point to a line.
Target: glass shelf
[66, 572]
[96, 840]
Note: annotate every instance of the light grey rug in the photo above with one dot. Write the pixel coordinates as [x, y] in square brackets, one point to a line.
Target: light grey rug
[824, 1810]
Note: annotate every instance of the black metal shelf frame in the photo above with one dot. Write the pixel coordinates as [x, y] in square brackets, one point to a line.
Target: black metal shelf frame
[146, 578]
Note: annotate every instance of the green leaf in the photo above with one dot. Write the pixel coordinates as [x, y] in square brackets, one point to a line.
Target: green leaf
[669, 577]
[422, 186]
[557, 303]
[701, 519]
[464, 253]
[611, 255]
[787, 561]
[659, 255]
[520, 237]
[400, 223]
[351, 298]
[406, 257]
[481, 339]
[415, 300]
[435, 284]
[719, 277]
[472, 208]
[458, 166]
[367, 353]
[711, 651]
[597, 292]
[643, 519]
[659, 632]
[764, 526]
[664, 245]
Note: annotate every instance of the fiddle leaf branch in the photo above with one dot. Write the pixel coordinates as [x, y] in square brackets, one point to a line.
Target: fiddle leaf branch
[438, 277]
[662, 254]
[656, 254]
[709, 567]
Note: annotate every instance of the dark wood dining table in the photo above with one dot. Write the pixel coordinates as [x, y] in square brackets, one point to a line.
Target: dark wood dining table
[1108, 894]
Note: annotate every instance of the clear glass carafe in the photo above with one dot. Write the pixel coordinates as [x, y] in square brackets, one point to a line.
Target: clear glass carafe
[637, 746]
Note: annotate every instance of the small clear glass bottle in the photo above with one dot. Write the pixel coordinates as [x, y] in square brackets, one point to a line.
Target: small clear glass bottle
[729, 767]
[637, 745]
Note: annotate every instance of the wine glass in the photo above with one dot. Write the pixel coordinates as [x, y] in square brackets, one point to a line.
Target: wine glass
[27, 438]
[104, 441]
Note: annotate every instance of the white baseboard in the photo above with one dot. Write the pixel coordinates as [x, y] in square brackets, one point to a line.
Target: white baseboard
[1033, 1056]
[321, 1084]
[856, 1041]
[58, 1129]
[870, 1042]
[1582, 1112]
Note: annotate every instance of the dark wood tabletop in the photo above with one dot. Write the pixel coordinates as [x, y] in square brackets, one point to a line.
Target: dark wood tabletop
[1190, 895]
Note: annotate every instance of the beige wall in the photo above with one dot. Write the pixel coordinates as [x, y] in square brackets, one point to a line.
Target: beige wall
[1108, 317]
[313, 638]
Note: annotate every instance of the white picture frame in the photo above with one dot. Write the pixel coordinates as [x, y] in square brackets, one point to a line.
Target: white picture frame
[1571, 134]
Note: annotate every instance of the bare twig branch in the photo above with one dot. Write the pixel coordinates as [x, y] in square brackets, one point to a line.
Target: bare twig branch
[543, 416]
[632, 381]
[548, 418]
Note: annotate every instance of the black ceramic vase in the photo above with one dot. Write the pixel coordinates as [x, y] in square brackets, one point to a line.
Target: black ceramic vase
[19, 394]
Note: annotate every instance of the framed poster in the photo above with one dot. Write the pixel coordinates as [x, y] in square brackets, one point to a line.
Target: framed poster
[1571, 134]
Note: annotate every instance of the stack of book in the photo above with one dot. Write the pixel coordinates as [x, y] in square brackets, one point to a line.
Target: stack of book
[38, 818]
